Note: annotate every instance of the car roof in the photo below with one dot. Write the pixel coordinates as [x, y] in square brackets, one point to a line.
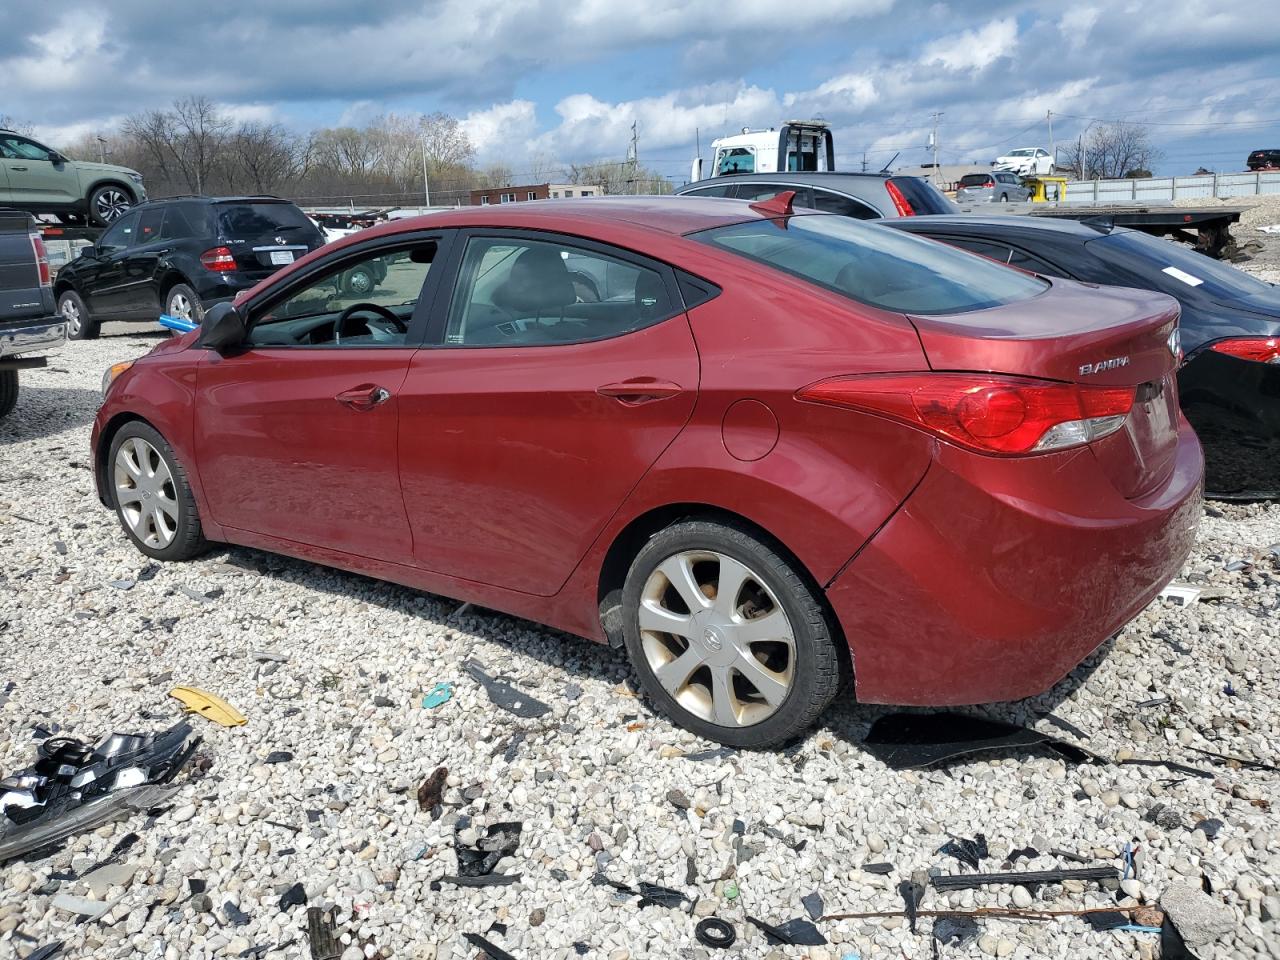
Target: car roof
[829, 178]
[995, 223]
[196, 198]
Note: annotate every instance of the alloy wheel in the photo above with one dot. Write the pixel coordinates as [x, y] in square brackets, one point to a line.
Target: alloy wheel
[717, 638]
[71, 314]
[180, 306]
[145, 492]
[112, 204]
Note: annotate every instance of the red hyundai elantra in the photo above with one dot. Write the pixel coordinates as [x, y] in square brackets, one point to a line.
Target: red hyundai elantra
[758, 449]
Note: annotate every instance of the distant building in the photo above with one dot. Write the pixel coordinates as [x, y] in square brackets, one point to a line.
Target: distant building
[536, 191]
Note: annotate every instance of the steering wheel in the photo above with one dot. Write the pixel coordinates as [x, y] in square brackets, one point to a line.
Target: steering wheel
[340, 324]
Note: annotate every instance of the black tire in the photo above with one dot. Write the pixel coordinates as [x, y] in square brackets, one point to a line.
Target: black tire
[359, 282]
[8, 392]
[80, 323]
[188, 539]
[178, 292]
[817, 666]
[108, 203]
[1004, 198]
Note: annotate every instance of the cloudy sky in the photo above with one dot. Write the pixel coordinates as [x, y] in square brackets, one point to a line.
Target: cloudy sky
[564, 81]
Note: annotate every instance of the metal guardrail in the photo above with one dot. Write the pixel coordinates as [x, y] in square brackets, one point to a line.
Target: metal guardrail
[1156, 189]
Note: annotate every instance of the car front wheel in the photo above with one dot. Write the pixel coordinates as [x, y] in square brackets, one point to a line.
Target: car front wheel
[183, 303]
[108, 203]
[80, 325]
[728, 638]
[152, 495]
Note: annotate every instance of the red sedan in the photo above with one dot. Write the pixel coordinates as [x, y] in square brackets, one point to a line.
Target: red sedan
[758, 449]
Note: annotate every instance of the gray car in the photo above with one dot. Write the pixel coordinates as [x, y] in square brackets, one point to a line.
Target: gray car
[864, 196]
[995, 187]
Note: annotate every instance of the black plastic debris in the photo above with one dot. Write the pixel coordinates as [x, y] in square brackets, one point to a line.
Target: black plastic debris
[970, 852]
[650, 894]
[903, 741]
[1242, 761]
[690, 871]
[322, 935]
[476, 864]
[235, 916]
[505, 695]
[1068, 855]
[278, 756]
[491, 950]
[965, 880]
[47, 951]
[1106, 920]
[715, 933]
[431, 793]
[812, 903]
[912, 895]
[295, 896]
[794, 933]
[76, 786]
[1168, 765]
[960, 931]
[1027, 853]
[1066, 726]
[1210, 828]
[792, 842]
[718, 753]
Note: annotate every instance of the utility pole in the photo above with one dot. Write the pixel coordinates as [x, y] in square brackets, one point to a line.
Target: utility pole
[102, 149]
[633, 154]
[933, 140]
[1053, 150]
[864, 161]
[426, 187]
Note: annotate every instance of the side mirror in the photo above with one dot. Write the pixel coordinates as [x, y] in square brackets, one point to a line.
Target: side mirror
[56, 158]
[223, 328]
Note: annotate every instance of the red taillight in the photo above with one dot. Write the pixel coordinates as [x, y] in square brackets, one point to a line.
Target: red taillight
[219, 258]
[42, 260]
[988, 185]
[1259, 349]
[899, 201]
[984, 412]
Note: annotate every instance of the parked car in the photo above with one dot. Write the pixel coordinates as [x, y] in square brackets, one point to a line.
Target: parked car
[39, 179]
[756, 465]
[180, 257]
[1026, 162]
[1264, 160]
[1230, 331]
[28, 323]
[991, 187]
[864, 196]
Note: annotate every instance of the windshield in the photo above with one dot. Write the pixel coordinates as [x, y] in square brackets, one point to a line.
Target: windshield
[1021, 153]
[736, 160]
[252, 220]
[974, 179]
[1178, 270]
[882, 267]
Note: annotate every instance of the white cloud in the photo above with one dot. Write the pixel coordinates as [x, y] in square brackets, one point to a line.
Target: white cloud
[1076, 24]
[502, 130]
[974, 49]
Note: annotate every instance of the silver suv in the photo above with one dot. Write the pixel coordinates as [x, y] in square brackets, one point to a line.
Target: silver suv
[864, 196]
[39, 179]
[996, 187]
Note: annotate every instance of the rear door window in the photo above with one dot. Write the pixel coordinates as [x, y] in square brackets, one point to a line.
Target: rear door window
[828, 202]
[249, 221]
[718, 190]
[150, 220]
[180, 222]
[756, 192]
[876, 265]
[121, 236]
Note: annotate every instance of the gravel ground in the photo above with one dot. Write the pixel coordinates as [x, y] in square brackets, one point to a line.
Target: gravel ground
[592, 779]
[1259, 212]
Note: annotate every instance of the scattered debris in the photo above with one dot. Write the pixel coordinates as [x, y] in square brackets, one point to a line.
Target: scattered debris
[813, 905]
[430, 794]
[295, 896]
[882, 869]
[961, 931]
[797, 933]
[278, 756]
[650, 894]
[83, 907]
[970, 852]
[1210, 828]
[1184, 593]
[794, 844]
[718, 753]
[209, 706]
[912, 894]
[910, 740]
[322, 935]
[1028, 853]
[47, 951]
[964, 881]
[1238, 761]
[439, 694]
[75, 786]
[504, 695]
[268, 656]
[716, 933]
[1197, 917]
[235, 916]
[476, 864]
[490, 950]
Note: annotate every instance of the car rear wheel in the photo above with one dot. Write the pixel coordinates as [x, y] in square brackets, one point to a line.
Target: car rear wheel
[726, 635]
[152, 495]
[80, 325]
[108, 204]
[1004, 198]
[182, 302]
[358, 281]
[8, 392]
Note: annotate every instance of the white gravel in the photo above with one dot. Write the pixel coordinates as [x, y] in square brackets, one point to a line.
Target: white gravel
[594, 774]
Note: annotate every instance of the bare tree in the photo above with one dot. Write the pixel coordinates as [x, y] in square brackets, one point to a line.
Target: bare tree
[265, 155]
[1111, 151]
[202, 133]
[444, 142]
[619, 177]
[12, 123]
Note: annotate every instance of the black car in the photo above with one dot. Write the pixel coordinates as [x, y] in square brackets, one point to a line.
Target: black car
[865, 196]
[1229, 385]
[1264, 160]
[180, 257]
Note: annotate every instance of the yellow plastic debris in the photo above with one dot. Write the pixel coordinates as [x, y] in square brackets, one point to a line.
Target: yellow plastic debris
[208, 706]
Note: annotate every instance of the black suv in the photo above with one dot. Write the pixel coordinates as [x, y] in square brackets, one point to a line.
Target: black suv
[180, 257]
[1264, 160]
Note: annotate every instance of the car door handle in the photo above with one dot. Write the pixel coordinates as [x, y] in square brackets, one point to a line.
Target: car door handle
[17, 168]
[640, 390]
[364, 397]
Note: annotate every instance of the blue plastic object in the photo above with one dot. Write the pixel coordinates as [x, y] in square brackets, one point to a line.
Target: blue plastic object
[177, 323]
[438, 695]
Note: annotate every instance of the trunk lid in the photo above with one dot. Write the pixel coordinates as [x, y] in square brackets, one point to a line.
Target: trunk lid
[265, 235]
[1078, 333]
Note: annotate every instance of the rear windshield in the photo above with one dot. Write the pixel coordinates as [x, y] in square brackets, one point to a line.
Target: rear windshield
[882, 267]
[1178, 270]
[975, 179]
[923, 196]
[251, 220]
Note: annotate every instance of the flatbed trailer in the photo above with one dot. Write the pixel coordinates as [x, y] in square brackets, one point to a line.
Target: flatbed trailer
[1211, 225]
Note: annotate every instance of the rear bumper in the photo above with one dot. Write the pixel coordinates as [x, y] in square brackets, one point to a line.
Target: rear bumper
[47, 333]
[1234, 406]
[997, 577]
